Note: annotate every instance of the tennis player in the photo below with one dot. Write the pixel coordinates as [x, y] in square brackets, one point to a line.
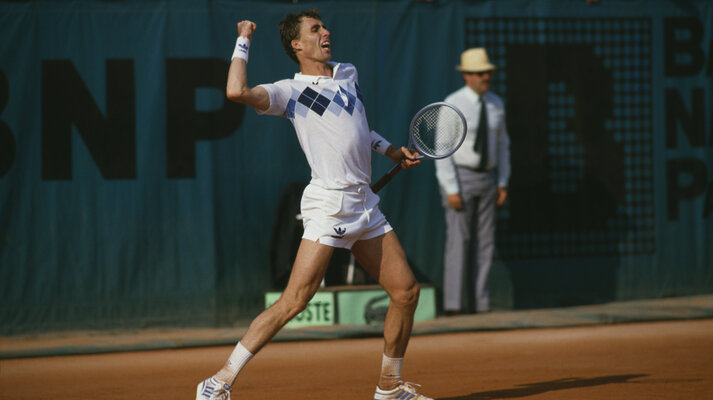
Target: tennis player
[324, 103]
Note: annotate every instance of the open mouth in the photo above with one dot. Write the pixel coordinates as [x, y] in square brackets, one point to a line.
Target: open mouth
[326, 45]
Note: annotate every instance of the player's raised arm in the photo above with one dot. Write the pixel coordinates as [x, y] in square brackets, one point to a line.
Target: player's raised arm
[237, 89]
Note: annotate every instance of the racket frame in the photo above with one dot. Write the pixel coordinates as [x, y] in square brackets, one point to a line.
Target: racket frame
[412, 145]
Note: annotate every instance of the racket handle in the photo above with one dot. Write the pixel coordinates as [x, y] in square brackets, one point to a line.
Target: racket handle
[386, 178]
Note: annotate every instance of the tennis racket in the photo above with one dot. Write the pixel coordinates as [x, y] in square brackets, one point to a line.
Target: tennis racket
[436, 132]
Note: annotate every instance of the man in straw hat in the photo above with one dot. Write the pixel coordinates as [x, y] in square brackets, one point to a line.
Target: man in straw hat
[473, 181]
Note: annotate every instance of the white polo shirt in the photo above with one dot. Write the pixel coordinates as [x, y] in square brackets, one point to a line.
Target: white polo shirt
[330, 120]
[338, 208]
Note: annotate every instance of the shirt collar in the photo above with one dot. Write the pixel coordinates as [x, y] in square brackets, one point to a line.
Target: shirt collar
[470, 93]
[315, 79]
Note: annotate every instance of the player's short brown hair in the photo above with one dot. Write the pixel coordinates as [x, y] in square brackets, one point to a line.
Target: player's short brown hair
[290, 30]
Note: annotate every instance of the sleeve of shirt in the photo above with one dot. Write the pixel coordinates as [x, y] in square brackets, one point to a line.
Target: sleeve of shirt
[378, 143]
[503, 156]
[279, 93]
[447, 175]
[446, 167]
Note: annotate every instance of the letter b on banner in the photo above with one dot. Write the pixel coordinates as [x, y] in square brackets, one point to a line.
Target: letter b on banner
[567, 164]
[579, 113]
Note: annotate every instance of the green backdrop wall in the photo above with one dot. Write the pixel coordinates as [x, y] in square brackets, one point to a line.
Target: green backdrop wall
[133, 194]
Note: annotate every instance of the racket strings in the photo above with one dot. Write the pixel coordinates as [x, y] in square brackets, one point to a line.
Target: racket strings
[438, 131]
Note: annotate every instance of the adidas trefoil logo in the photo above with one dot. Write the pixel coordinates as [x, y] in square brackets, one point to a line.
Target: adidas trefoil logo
[375, 144]
[339, 232]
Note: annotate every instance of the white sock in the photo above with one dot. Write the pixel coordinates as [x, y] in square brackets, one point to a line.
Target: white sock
[391, 368]
[237, 360]
[382, 391]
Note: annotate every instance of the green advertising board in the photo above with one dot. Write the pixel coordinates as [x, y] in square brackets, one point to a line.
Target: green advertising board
[353, 305]
[368, 305]
[319, 311]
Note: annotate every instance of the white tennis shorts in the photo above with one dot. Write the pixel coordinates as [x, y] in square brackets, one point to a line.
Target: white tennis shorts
[339, 218]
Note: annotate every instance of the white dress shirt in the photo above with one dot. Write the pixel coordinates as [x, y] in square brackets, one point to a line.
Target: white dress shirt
[468, 102]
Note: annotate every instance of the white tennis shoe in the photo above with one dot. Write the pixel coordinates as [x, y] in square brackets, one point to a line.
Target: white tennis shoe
[405, 391]
[213, 389]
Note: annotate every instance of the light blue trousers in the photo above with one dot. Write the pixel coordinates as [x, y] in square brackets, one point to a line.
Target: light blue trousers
[470, 240]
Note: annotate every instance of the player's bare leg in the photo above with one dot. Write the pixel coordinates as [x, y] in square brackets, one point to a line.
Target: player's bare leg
[307, 273]
[384, 259]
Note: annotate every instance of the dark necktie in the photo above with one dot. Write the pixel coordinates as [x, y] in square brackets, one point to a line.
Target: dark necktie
[481, 140]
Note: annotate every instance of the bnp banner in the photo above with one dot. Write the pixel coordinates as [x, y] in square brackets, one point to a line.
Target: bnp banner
[133, 193]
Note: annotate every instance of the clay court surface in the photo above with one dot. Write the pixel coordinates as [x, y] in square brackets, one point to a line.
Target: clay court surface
[661, 360]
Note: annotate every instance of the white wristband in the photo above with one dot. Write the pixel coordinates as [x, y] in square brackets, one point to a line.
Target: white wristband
[378, 143]
[242, 47]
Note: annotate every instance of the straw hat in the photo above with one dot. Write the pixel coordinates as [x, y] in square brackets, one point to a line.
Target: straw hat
[475, 60]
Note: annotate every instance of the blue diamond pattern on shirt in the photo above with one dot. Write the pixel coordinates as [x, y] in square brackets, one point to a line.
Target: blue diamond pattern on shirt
[338, 99]
[349, 107]
[356, 85]
[335, 107]
[327, 93]
[352, 100]
[301, 110]
[320, 104]
[309, 99]
[290, 109]
[314, 101]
